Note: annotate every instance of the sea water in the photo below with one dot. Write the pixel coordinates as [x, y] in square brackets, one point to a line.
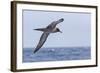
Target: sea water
[56, 54]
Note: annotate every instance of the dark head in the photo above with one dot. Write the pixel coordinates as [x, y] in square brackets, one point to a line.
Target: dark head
[58, 30]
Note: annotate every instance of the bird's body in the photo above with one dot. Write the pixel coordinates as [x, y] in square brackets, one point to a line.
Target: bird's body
[51, 28]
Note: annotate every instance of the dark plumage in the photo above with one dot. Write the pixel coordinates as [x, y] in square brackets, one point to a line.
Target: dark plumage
[51, 28]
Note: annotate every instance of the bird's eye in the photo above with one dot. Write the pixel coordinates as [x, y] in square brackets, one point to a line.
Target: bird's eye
[57, 29]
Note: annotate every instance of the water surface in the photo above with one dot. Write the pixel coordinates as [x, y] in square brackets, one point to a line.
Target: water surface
[56, 54]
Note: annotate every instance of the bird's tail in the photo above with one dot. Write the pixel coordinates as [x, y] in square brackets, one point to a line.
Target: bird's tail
[40, 29]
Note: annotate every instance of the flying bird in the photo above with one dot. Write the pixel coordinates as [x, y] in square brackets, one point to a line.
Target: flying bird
[51, 28]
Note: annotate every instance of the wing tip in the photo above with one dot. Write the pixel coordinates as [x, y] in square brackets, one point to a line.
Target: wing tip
[35, 51]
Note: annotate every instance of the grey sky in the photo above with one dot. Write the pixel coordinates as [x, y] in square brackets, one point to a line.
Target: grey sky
[76, 28]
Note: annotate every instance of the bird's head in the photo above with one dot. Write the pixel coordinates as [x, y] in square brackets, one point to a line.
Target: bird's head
[58, 30]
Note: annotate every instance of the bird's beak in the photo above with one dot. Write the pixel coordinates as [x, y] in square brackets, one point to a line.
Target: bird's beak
[60, 31]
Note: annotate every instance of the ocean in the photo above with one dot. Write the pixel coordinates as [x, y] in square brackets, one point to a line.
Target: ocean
[56, 54]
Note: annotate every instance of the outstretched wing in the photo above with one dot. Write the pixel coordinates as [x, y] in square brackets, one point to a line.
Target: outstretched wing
[54, 23]
[41, 41]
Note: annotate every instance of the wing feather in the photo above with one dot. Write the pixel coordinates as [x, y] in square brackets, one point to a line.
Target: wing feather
[41, 41]
[54, 23]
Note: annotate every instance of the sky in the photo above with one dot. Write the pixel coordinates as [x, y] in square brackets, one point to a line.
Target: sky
[76, 28]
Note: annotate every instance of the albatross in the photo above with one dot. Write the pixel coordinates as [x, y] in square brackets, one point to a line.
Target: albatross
[51, 28]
